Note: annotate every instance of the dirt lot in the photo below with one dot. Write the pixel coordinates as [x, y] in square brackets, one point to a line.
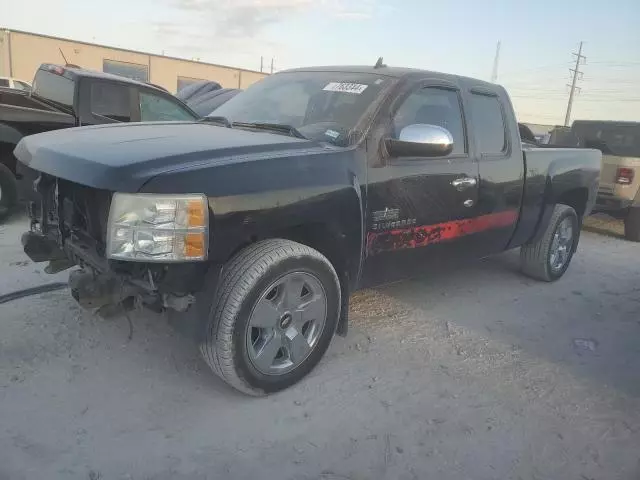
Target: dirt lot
[479, 374]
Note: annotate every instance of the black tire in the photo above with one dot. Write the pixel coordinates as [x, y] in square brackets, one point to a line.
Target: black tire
[632, 225]
[535, 256]
[242, 281]
[8, 191]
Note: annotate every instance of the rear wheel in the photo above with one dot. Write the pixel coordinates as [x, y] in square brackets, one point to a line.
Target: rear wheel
[274, 314]
[8, 191]
[548, 258]
[632, 225]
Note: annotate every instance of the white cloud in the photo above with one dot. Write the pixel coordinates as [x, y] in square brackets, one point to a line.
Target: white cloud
[220, 29]
[237, 18]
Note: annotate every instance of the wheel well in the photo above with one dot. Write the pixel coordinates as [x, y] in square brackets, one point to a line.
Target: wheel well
[577, 199]
[329, 242]
[6, 156]
[322, 238]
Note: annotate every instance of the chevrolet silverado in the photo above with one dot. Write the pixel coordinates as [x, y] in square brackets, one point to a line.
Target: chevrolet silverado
[252, 229]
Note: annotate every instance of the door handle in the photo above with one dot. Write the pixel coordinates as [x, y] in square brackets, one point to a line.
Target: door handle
[463, 183]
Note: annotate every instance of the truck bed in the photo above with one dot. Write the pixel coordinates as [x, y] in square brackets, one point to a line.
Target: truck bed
[560, 160]
[14, 115]
[17, 107]
[546, 166]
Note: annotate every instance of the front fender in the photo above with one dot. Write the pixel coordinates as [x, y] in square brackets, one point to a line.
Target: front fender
[9, 134]
[318, 191]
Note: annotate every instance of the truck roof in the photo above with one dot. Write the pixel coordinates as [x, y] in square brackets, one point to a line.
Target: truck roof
[606, 122]
[74, 73]
[396, 72]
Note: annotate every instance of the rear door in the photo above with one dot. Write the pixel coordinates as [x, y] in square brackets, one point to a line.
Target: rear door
[501, 166]
[420, 210]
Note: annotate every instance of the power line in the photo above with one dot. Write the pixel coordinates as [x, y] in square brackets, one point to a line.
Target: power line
[576, 73]
[615, 63]
[614, 81]
[526, 71]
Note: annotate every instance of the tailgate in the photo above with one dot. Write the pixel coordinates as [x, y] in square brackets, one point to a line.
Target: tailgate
[608, 175]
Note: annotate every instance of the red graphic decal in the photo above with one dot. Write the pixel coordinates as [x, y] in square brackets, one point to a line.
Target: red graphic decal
[423, 235]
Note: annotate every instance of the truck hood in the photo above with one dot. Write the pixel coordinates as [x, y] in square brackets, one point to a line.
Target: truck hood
[123, 157]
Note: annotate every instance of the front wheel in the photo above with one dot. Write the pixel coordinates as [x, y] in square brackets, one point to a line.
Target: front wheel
[274, 314]
[548, 258]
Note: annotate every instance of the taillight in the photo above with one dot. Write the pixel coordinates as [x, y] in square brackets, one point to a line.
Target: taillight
[624, 175]
[58, 70]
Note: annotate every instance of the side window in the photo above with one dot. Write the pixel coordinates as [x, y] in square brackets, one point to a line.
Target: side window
[433, 106]
[154, 108]
[111, 101]
[22, 85]
[4, 82]
[488, 124]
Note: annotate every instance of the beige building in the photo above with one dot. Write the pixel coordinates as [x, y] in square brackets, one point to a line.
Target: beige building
[21, 53]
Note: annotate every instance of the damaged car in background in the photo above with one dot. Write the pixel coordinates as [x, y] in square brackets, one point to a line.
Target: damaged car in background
[65, 97]
[252, 229]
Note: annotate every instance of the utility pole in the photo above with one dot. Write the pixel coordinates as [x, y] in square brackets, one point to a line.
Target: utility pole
[577, 75]
[271, 65]
[494, 74]
[261, 63]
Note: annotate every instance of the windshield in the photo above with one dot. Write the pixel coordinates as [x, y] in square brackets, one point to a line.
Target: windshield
[620, 139]
[323, 106]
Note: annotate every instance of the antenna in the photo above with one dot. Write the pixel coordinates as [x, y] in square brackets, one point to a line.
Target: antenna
[379, 63]
[65, 58]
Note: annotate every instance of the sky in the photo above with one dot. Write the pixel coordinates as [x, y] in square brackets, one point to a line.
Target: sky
[459, 36]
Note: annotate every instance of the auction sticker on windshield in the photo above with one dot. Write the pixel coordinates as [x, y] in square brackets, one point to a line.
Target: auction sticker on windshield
[345, 87]
[332, 133]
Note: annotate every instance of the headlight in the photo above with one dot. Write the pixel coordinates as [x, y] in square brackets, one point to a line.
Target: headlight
[158, 228]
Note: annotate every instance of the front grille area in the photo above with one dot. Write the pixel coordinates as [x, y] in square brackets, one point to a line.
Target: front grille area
[85, 209]
[69, 210]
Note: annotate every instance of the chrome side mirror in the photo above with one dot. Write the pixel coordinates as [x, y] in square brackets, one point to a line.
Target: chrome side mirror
[421, 140]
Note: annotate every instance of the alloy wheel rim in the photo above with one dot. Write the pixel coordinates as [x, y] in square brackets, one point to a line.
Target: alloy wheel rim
[561, 245]
[286, 323]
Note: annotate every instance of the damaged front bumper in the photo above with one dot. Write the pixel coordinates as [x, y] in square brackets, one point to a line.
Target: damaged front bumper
[68, 228]
[97, 286]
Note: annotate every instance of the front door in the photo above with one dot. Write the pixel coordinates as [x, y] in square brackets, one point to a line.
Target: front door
[420, 210]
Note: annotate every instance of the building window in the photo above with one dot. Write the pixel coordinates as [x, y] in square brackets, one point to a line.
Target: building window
[186, 81]
[134, 71]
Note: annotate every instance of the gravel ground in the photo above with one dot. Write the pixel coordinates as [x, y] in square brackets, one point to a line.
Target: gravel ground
[477, 374]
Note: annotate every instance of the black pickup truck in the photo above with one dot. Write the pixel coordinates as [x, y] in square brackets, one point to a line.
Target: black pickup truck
[64, 97]
[252, 230]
